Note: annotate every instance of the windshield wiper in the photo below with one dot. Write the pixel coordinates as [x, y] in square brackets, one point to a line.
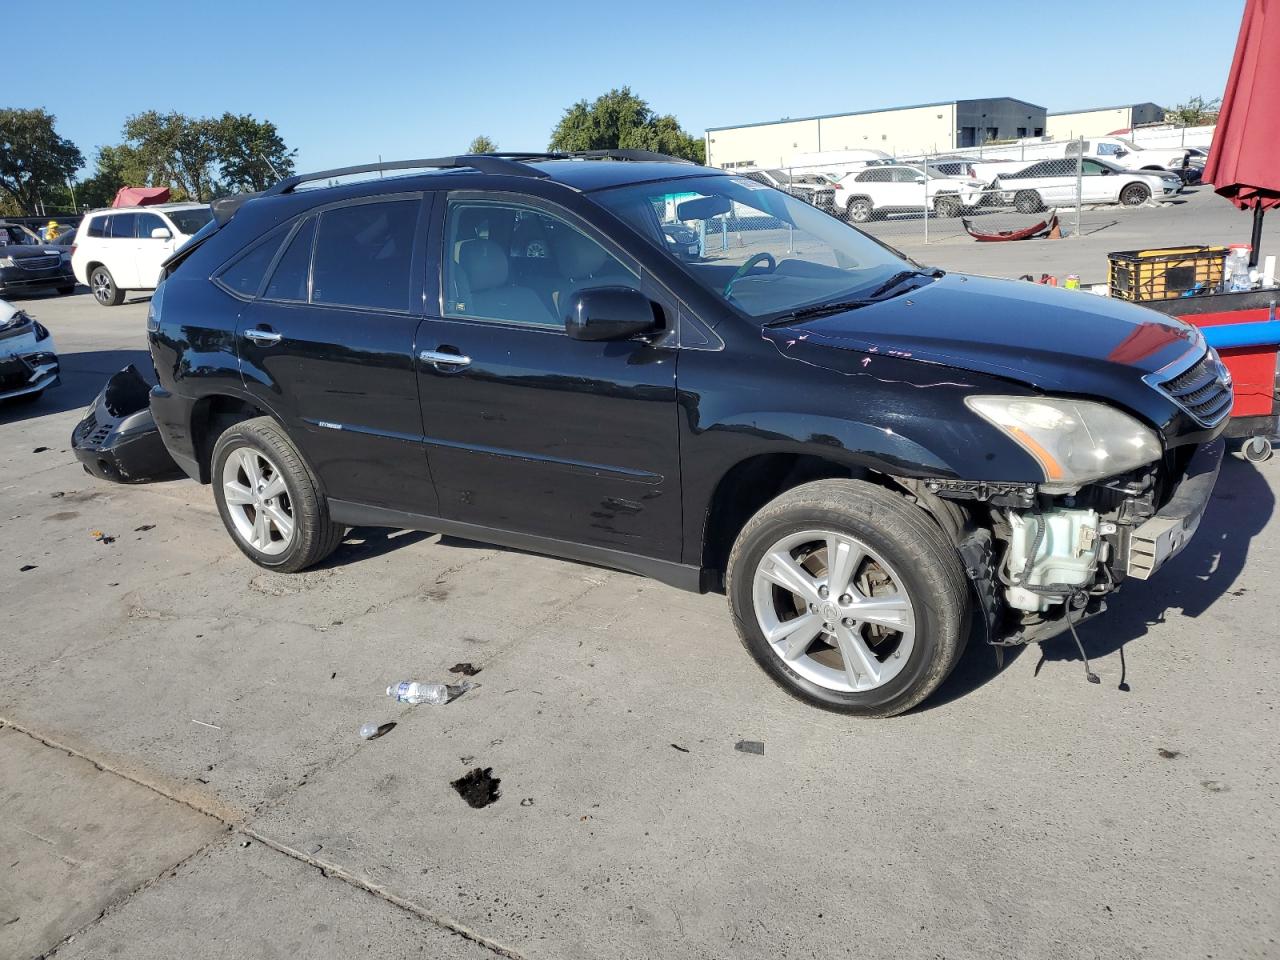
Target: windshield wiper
[838, 306]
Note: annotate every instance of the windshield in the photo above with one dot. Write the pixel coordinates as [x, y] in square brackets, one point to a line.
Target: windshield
[13, 234]
[759, 249]
[189, 221]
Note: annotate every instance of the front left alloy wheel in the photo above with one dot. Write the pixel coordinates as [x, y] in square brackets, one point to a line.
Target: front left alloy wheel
[850, 597]
[269, 500]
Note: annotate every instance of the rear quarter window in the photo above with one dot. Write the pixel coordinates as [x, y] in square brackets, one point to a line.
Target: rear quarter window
[97, 227]
[244, 276]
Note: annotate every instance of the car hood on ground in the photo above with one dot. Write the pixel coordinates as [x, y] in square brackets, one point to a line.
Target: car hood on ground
[1049, 338]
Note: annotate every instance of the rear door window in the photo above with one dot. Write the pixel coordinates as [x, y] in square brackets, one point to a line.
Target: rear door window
[289, 281]
[245, 275]
[364, 255]
[122, 226]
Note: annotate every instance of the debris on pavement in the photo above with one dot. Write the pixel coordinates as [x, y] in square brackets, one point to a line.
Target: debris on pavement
[102, 537]
[479, 787]
[527, 802]
[39, 449]
[676, 746]
[57, 494]
[372, 731]
[144, 528]
[466, 669]
[1169, 754]
[436, 694]
[750, 746]
[211, 726]
[27, 566]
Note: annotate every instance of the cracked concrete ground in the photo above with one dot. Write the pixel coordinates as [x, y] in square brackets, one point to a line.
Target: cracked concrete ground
[181, 775]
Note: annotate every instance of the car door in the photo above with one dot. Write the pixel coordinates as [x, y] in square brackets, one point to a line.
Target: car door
[529, 430]
[118, 250]
[909, 188]
[327, 345]
[1098, 183]
[150, 251]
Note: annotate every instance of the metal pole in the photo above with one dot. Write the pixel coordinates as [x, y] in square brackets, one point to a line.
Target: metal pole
[1257, 232]
[1079, 183]
[926, 201]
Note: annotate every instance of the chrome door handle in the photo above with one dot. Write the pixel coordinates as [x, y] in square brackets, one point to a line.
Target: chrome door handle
[263, 338]
[444, 359]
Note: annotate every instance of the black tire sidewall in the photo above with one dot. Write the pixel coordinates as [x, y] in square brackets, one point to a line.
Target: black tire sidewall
[924, 590]
[235, 438]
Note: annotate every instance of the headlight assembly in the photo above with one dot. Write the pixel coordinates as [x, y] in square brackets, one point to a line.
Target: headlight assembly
[1074, 441]
[7, 262]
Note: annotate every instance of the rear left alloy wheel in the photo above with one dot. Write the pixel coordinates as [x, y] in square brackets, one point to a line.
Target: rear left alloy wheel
[104, 288]
[849, 597]
[268, 499]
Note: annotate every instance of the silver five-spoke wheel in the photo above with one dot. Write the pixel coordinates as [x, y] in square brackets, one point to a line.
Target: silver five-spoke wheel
[257, 501]
[834, 610]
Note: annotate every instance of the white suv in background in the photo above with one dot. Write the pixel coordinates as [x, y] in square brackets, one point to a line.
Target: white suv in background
[875, 191]
[121, 248]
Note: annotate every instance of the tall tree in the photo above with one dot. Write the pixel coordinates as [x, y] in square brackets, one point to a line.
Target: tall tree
[621, 120]
[116, 167]
[482, 144]
[33, 158]
[181, 149]
[251, 153]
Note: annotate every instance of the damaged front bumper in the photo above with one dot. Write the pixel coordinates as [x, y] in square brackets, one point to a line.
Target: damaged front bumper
[117, 439]
[1162, 537]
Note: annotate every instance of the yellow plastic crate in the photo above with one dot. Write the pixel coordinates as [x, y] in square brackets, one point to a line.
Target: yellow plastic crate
[1140, 275]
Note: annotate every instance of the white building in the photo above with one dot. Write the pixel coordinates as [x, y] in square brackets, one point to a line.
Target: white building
[1101, 121]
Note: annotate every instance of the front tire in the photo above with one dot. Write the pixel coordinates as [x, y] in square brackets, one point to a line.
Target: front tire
[849, 597]
[1135, 195]
[1027, 201]
[859, 210]
[104, 288]
[269, 500]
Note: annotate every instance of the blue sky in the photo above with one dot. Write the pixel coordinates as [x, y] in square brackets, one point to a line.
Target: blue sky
[346, 82]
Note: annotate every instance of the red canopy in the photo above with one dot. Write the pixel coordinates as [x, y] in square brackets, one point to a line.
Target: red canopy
[1244, 161]
[140, 196]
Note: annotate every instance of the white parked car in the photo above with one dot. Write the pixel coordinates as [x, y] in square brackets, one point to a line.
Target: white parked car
[28, 360]
[878, 190]
[1052, 183]
[1127, 154]
[122, 248]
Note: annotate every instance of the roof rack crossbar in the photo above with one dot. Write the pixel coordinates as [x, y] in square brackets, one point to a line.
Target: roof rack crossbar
[485, 163]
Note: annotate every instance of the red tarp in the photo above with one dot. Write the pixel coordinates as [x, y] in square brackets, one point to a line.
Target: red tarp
[1244, 161]
[140, 196]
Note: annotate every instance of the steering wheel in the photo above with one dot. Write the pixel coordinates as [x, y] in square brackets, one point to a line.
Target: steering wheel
[748, 266]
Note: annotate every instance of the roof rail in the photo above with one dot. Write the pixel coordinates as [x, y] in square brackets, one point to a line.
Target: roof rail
[483, 162]
[615, 154]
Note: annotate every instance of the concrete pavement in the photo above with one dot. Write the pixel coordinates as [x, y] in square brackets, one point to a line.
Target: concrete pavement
[180, 735]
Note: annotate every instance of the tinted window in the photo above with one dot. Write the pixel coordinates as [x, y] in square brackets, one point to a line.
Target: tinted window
[289, 282]
[98, 227]
[246, 274]
[364, 255]
[521, 265]
[189, 221]
[121, 226]
[874, 176]
[146, 222]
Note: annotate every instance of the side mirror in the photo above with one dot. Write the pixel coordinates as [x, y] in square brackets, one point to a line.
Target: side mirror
[1122, 153]
[609, 313]
[919, 179]
[161, 233]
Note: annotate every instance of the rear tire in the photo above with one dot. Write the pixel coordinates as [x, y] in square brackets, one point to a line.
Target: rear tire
[897, 557]
[271, 503]
[104, 288]
[1027, 201]
[1135, 195]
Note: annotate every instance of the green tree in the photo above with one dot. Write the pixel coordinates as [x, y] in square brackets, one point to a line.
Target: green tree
[251, 154]
[483, 144]
[1196, 112]
[115, 167]
[181, 150]
[34, 160]
[621, 120]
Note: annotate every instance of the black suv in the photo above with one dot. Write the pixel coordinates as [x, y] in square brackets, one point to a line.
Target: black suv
[860, 451]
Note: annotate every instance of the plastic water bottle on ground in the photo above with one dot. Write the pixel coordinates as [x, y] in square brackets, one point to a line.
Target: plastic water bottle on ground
[437, 694]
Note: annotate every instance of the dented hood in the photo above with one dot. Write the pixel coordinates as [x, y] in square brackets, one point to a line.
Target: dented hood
[1056, 340]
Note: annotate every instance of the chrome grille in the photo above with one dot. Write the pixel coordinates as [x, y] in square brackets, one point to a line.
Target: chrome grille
[38, 263]
[1202, 389]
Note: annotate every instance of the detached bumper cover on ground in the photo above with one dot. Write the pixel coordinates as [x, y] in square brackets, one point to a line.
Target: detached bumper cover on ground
[117, 440]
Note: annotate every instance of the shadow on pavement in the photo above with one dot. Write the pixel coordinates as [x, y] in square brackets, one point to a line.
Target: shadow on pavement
[83, 377]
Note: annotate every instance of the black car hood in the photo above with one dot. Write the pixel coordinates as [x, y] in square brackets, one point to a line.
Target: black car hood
[22, 251]
[1052, 339]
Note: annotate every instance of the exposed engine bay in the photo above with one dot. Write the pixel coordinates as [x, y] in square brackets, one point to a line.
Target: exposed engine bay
[1041, 562]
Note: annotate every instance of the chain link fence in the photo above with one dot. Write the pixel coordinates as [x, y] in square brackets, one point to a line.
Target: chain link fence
[1074, 186]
